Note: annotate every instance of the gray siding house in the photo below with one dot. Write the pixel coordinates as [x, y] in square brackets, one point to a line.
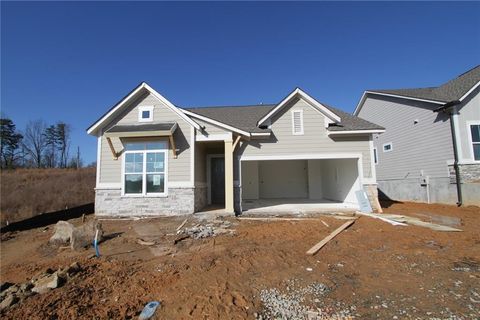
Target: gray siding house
[155, 158]
[430, 151]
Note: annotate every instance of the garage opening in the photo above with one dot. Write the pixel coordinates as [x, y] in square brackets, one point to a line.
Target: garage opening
[299, 185]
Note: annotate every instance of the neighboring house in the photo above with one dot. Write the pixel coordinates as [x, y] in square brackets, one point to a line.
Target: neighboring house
[156, 158]
[432, 140]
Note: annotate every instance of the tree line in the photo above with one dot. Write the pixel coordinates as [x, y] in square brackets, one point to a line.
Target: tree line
[38, 146]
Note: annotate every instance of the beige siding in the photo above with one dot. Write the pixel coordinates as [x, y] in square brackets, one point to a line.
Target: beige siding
[468, 111]
[179, 169]
[314, 140]
[425, 146]
[210, 128]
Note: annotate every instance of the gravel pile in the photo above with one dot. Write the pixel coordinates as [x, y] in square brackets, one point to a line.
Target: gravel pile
[291, 304]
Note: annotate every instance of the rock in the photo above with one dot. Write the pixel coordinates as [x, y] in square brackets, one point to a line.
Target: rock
[62, 233]
[5, 286]
[74, 268]
[9, 301]
[83, 236]
[26, 286]
[46, 283]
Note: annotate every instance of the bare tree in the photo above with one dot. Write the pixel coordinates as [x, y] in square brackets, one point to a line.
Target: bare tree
[63, 142]
[34, 141]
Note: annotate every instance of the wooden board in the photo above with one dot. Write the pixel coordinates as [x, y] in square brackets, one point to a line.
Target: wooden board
[332, 235]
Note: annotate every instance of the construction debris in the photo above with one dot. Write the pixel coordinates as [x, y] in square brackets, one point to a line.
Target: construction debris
[200, 231]
[380, 217]
[332, 235]
[142, 242]
[181, 226]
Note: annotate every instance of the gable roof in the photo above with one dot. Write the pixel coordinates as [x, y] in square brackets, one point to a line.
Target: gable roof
[454, 90]
[246, 117]
[140, 89]
[302, 94]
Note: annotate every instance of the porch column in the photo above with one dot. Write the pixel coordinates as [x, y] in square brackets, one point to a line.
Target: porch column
[229, 176]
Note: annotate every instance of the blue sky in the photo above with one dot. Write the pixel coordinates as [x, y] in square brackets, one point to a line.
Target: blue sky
[72, 61]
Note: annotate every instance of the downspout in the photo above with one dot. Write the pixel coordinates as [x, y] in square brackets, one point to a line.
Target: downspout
[447, 108]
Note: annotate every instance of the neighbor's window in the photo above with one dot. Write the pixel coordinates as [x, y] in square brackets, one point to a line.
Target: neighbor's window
[297, 122]
[145, 113]
[145, 168]
[375, 156]
[475, 134]
[387, 147]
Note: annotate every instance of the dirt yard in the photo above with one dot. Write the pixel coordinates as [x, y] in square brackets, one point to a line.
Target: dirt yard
[260, 270]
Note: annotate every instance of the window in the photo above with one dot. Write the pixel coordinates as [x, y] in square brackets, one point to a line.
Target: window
[145, 114]
[145, 168]
[375, 156]
[297, 122]
[475, 139]
[387, 147]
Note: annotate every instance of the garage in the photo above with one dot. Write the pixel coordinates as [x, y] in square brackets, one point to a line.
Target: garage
[299, 184]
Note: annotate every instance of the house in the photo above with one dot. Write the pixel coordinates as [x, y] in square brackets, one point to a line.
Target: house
[155, 158]
[430, 151]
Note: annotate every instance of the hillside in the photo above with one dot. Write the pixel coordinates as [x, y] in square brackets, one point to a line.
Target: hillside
[28, 192]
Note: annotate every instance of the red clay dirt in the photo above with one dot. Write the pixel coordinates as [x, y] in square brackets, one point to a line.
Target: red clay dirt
[372, 269]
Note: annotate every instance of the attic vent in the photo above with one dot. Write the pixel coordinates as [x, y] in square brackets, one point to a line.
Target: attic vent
[297, 122]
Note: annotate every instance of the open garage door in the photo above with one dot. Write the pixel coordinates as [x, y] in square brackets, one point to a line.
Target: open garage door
[300, 184]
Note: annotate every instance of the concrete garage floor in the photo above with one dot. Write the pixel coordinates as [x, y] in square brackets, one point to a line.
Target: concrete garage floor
[294, 206]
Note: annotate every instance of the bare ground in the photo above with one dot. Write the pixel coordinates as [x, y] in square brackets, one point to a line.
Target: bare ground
[371, 270]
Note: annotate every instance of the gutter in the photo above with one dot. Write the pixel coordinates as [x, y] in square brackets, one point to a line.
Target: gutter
[447, 109]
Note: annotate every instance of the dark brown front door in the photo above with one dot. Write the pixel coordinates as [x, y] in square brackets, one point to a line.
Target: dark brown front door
[218, 180]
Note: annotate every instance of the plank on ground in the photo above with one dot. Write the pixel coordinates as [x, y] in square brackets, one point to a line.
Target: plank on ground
[332, 235]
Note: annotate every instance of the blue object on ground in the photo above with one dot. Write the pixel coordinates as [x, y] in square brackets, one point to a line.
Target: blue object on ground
[149, 310]
[95, 244]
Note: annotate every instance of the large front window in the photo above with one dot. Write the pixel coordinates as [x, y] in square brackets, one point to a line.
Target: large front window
[145, 168]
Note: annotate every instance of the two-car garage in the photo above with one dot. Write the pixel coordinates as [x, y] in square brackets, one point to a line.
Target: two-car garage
[306, 184]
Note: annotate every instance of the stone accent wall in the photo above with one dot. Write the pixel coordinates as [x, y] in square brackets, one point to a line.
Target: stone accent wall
[372, 194]
[470, 173]
[201, 198]
[109, 202]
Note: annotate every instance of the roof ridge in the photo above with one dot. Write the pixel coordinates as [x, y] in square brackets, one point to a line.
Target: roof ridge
[231, 106]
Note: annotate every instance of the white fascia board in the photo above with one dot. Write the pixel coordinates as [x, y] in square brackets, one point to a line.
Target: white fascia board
[157, 95]
[306, 97]
[217, 123]
[470, 91]
[311, 156]
[333, 133]
[360, 103]
[172, 107]
[260, 134]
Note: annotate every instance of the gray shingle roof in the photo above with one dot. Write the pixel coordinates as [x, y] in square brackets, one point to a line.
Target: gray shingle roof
[164, 126]
[453, 90]
[246, 117]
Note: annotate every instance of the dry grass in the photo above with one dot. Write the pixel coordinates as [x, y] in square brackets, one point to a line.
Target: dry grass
[27, 192]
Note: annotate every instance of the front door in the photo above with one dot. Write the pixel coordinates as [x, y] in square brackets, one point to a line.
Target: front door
[218, 180]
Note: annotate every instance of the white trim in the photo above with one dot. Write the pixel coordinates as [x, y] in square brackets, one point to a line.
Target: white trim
[307, 156]
[470, 139]
[180, 184]
[215, 122]
[470, 91]
[308, 99]
[261, 134]
[192, 155]
[331, 133]
[108, 186]
[364, 97]
[142, 86]
[144, 193]
[209, 171]
[386, 144]
[145, 108]
[214, 137]
[300, 111]
[99, 152]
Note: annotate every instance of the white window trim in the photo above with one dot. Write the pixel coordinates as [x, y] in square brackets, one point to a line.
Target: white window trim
[145, 108]
[144, 193]
[375, 155]
[470, 139]
[386, 144]
[301, 122]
